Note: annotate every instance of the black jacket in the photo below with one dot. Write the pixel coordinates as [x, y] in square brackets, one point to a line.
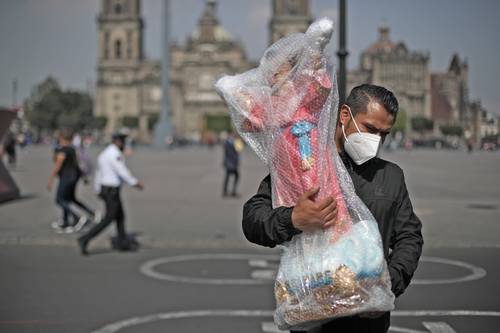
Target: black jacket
[231, 156]
[381, 186]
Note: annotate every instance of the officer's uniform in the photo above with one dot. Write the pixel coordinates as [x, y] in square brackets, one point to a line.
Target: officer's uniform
[111, 173]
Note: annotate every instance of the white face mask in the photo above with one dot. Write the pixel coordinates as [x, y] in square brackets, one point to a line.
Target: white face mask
[361, 146]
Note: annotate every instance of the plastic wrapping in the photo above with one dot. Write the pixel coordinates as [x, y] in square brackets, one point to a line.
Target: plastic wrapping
[286, 110]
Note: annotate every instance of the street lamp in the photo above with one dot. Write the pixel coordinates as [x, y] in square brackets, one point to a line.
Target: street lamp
[163, 129]
[342, 52]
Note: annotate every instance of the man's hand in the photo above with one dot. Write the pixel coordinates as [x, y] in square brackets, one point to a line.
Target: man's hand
[139, 186]
[49, 184]
[308, 215]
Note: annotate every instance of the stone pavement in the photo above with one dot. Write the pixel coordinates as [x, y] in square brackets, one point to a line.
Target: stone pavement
[49, 289]
[456, 195]
[46, 286]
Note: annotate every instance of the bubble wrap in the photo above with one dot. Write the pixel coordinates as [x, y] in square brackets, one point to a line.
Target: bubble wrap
[285, 109]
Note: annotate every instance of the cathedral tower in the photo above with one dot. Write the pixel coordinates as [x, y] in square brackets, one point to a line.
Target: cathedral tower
[120, 53]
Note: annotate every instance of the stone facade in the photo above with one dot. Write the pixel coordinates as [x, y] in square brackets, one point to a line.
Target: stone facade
[208, 53]
[450, 94]
[128, 84]
[393, 66]
[482, 124]
[129, 90]
[289, 16]
[120, 61]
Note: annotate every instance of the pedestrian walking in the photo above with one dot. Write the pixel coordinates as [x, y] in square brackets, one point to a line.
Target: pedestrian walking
[231, 164]
[67, 169]
[111, 173]
[84, 160]
[10, 148]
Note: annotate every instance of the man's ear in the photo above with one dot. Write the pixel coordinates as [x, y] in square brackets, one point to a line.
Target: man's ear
[344, 115]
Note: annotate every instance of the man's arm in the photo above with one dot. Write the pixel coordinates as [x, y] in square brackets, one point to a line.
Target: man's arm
[58, 162]
[98, 180]
[264, 225]
[119, 166]
[406, 243]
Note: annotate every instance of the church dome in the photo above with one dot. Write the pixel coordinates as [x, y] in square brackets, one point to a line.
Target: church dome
[209, 30]
[383, 44]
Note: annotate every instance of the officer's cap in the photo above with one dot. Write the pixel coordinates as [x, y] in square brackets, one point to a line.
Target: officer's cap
[119, 136]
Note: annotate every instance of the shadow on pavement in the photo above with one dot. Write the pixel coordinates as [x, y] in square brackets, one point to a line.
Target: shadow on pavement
[23, 197]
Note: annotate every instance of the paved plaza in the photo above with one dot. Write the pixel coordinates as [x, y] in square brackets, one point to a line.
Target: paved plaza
[195, 272]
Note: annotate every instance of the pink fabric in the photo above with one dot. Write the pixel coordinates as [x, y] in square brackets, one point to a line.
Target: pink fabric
[290, 178]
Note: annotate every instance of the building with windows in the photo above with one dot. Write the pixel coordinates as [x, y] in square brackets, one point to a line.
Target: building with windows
[120, 64]
[394, 66]
[128, 89]
[209, 52]
[450, 94]
[288, 16]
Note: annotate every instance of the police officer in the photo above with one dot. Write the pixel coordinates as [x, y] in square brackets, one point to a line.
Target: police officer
[111, 173]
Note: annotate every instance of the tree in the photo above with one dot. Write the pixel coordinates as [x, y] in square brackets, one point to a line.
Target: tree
[100, 122]
[49, 108]
[152, 120]
[40, 90]
[77, 112]
[130, 121]
[43, 105]
[400, 124]
[421, 124]
[452, 130]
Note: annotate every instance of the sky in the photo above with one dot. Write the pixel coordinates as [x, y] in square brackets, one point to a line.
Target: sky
[59, 37]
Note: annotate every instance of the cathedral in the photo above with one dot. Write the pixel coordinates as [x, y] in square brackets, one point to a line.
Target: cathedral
[450, 94]
[400, 70]
[128, 89]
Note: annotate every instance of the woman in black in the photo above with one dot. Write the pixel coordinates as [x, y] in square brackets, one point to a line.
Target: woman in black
[67, 169]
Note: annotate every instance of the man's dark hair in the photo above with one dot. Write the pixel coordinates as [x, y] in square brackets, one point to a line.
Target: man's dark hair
[66, 134]
[361, 95]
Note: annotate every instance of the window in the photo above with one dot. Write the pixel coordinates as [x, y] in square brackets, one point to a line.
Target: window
[118, 49]
[292, 7]
[106, 45]
[118, 8]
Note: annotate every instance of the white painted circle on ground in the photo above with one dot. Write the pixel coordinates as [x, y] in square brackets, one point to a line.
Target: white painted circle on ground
[117, 326]
[149, 269]
[476, 272]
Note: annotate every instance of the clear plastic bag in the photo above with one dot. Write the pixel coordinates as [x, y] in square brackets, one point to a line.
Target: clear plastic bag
[286, 110]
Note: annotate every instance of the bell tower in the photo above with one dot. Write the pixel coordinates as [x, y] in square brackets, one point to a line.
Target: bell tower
[288, 16]
[120, 54]
[120, 32]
